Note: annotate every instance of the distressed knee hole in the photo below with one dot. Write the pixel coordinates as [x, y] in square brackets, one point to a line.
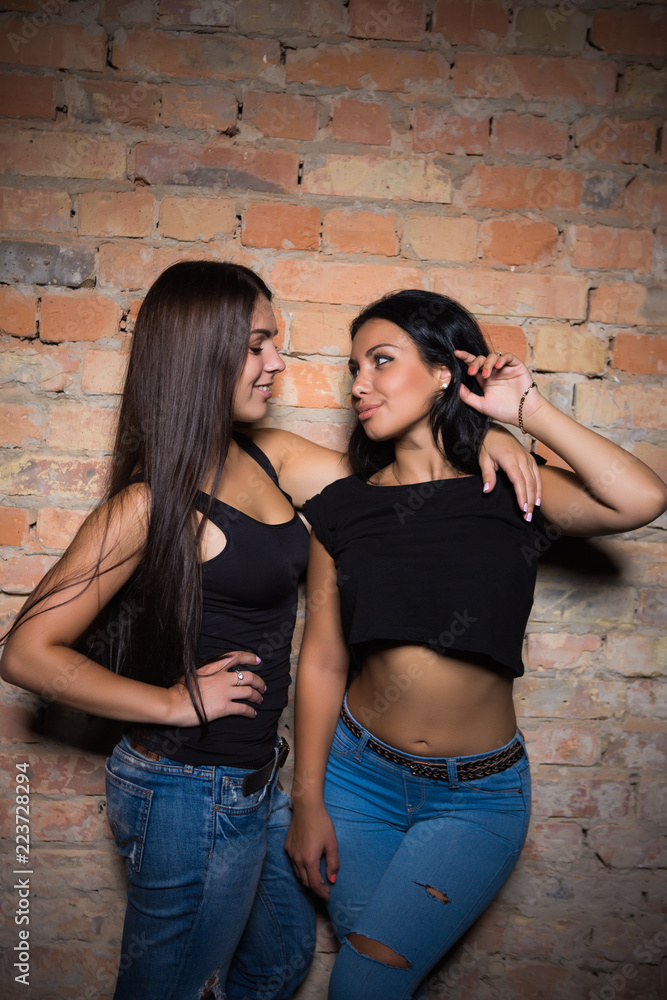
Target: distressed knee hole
[380, 952]
[212, 990]
[436, 893]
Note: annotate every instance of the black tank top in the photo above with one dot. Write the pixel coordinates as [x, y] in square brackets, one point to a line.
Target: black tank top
[249, 604]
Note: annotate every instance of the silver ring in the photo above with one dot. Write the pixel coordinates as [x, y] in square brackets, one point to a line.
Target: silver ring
[239, 677]
[499, 353]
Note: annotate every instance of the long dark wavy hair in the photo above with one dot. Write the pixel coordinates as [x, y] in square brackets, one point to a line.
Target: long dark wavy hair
[438, 326]
[174, 430]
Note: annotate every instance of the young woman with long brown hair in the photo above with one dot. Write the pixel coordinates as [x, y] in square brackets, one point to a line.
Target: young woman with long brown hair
[197, 535]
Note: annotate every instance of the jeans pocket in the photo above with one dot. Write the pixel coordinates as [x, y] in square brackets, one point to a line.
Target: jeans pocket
[128, 808]
[233, 801]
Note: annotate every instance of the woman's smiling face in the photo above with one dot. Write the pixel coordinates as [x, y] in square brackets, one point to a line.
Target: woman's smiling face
[253, 389]
[392, 388]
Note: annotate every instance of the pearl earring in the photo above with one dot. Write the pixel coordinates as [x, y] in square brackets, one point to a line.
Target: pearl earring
[444, 385]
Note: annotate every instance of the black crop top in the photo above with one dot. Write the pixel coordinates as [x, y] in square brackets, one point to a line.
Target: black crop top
[249, 604]
[439, 564]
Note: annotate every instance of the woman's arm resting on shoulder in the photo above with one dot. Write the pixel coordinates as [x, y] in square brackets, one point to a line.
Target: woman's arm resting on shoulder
[38, 654]
[320, 686]
[501, 450]
[304, 468]
[609, 491]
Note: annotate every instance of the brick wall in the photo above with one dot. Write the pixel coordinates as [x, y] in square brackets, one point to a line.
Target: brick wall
[513, 158]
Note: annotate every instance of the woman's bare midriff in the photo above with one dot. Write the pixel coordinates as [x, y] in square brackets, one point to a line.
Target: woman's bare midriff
[425, 703]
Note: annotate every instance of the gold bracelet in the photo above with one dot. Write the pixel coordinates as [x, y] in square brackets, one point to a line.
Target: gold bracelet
[533, 385]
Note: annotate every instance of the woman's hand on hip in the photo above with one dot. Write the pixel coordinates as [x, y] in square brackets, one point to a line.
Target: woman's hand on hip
[225, 685]
[311, 837]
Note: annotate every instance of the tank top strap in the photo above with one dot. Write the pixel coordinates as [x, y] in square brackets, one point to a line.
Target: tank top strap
[256, 452]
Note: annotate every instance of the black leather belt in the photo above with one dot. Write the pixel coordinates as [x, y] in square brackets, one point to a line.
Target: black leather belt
[466, 771]
[252, 782]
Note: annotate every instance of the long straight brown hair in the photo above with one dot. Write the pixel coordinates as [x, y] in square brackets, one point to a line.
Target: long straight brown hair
[174, 431]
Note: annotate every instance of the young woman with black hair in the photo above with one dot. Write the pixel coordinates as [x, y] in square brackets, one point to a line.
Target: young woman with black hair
[415, 790]
[198, 537]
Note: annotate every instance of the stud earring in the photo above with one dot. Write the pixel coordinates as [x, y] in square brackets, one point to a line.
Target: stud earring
[444, 385]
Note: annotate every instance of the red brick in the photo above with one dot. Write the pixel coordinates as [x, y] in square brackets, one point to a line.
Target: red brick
[502, 293]
[441, 130]
[652, 608]
[76, 428]
[606, 247]
[21, 574]
[547, 650]
[540, 696]
[436, 237]
[103, 372]
[58, 46]
[237, 167]
[287, 227]
[22, 426]
[399, 179]
[361, 121]
[542, 78]
[17, 312]
[643, 87]
[646, 197]
[524, 187]
[57, 527]
[68, 820]
[287, 116]
[529, 135]
[561, 348]
[199, 107]
[400, 20]
[27, 96]
[138, 266]
[348, 231]
[560, 29]
[62, 154]
[501, 337]
[539, 981]
[196, 218]
[315, 17]
[471, 22]
[113, 100]
[110, 213]
[38, 366]
[636, 655]
[321, 330]
[129, 11]
[627, 845]
[205, 12]
[17, 725]
[557, 839]
[641, 353]
[628, 303]
[306, 281]
[358, 66]
[518, 241]
[560, 743]
[14, 525]
[646, 699]
[641, 32]
[621, 406]
[216, 56]
[653, 801]
[306, 383]
[23, 210]
[585, 798]
[615, 140]
[50, 476]
[80, 316]
[643, 564]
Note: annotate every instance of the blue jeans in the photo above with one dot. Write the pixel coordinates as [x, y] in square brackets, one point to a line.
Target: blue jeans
[211, 892]
[420, 859]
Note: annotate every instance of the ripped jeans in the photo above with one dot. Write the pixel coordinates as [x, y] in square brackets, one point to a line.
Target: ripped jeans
[420, 859]
[211, 892]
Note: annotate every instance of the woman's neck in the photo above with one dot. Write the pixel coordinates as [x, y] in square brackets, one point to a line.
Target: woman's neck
[418, 460]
